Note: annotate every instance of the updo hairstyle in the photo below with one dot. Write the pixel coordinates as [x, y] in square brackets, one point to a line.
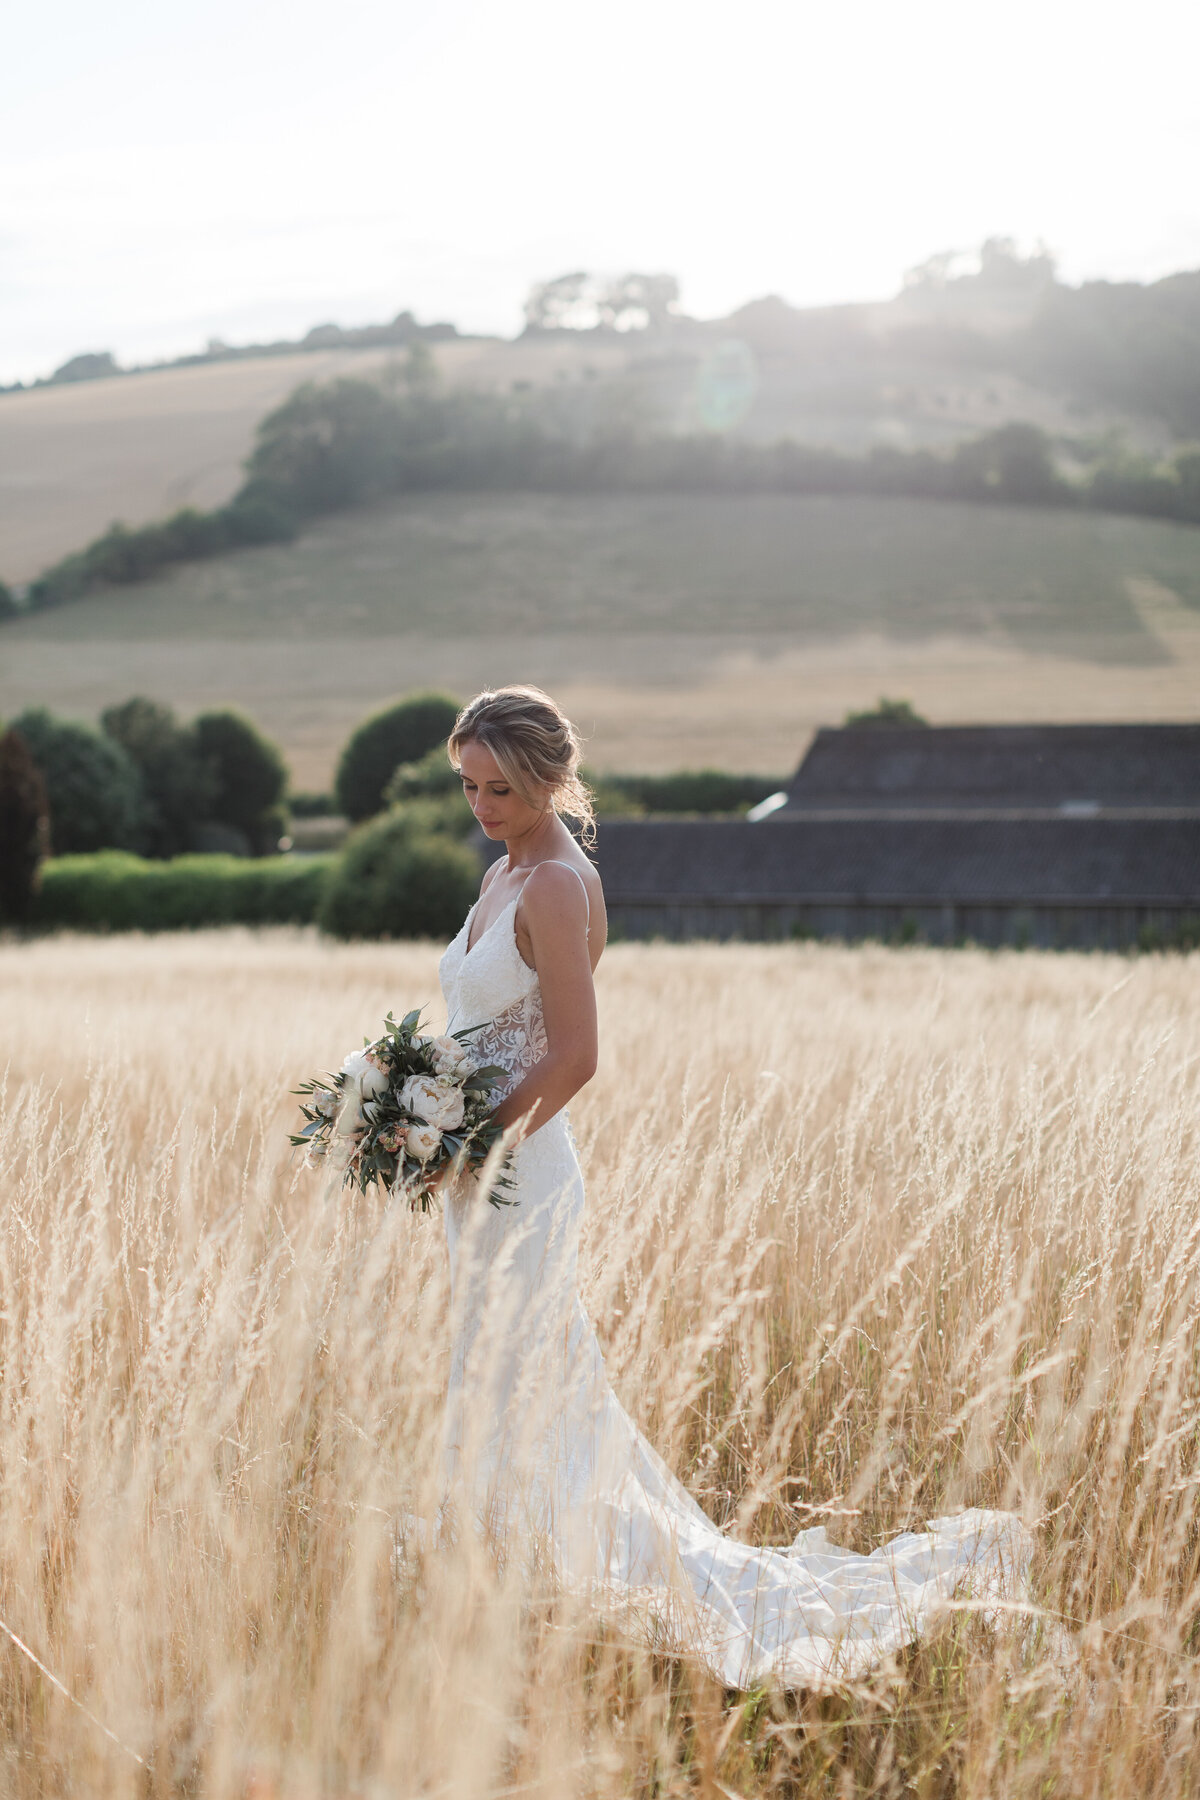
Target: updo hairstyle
[536, 748]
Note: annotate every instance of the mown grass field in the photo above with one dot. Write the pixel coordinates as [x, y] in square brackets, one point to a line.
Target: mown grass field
[871, 1235]
[678, 630]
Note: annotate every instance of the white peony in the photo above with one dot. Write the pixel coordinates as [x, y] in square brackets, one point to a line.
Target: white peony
[364, 1070]
[423, 1141]
[450, 1057]
[350, 1119]
[434, 1101]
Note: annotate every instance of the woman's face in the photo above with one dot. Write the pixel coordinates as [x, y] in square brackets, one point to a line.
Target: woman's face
[498, 807]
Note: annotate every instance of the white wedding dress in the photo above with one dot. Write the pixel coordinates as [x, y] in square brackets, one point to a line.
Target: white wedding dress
[546, 1462]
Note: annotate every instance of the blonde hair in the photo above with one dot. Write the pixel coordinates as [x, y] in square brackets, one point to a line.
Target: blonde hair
[536, 748]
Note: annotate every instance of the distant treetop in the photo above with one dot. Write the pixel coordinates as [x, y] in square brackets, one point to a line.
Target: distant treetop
[887, 712]
[583, 301]
[92, 365]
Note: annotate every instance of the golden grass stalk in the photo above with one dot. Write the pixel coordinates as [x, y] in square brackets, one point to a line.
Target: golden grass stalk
[871, 1236]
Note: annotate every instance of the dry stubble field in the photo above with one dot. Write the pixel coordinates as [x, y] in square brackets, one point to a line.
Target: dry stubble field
[872, 1234]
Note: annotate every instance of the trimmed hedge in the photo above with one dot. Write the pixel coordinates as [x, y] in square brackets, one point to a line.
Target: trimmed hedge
[684, 791]
[114, 891]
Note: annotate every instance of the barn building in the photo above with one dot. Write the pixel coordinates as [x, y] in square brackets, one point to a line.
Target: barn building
[1057, 835]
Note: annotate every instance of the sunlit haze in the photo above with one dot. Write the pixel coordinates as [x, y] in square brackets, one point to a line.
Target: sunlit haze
[170, 173]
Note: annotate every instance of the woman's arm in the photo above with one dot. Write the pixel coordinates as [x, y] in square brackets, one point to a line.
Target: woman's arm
[555, 910]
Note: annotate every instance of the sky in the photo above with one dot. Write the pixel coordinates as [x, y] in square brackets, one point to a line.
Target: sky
[171, 172]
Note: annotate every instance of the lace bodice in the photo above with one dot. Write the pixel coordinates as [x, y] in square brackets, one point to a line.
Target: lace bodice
[491, 985]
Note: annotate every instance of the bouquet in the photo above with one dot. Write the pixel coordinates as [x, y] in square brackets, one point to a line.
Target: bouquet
[403, 1110]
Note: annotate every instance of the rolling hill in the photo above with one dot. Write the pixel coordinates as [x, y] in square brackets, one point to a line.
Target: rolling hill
[680, 630]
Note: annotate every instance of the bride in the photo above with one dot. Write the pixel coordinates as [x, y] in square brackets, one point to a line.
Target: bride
[541, 1456]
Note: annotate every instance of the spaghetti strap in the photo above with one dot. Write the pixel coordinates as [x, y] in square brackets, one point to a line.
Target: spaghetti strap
[559, 864]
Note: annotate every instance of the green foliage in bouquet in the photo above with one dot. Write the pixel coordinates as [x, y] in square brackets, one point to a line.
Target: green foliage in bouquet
[401, 876]
[403, 1112]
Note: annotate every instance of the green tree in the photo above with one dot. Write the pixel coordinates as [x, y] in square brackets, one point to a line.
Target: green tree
[8, 604]
[177, 784]
[249, 777]
[400, 734]
[1186, 462]
[886, 713]
[396, 878]
[94, 787]
[433, 787]
[24, 827]
[91, 365]
[327, 447]
[1014, 463]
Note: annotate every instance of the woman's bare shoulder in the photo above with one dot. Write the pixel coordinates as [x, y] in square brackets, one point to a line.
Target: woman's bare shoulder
[561, 880]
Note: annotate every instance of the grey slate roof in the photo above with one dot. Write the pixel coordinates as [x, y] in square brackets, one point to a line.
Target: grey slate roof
[999, 768]
[1021, 861]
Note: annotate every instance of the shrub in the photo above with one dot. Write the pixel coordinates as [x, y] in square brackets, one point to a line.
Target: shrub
[397, 878]
[431, 790]
[117, 892]
[178, 786]
[94, 787]
[431, 777]
[312, 806]
[248, 776]
[1136, 484]
[685, 791]
[887, 712]
[326, 447]
[8, 603]
[401, 734]
[62, 582]
[254, 518]
[24, 828]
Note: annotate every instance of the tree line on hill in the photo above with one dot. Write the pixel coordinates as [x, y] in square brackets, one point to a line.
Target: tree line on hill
[1130, 345]
[396, 334]
[344, 443]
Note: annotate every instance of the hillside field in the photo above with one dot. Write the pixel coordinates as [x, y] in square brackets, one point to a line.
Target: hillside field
[678, 630]
[136, 447]
[77, 456]
[871, 1235]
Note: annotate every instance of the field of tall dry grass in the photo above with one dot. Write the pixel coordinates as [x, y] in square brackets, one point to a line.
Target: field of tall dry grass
[872, 1234]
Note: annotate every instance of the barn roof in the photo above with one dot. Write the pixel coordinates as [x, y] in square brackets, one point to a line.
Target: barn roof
[998, 768]
[1006, 861]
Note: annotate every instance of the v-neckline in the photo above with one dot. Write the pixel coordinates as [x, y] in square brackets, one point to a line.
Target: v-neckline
[472, 947]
